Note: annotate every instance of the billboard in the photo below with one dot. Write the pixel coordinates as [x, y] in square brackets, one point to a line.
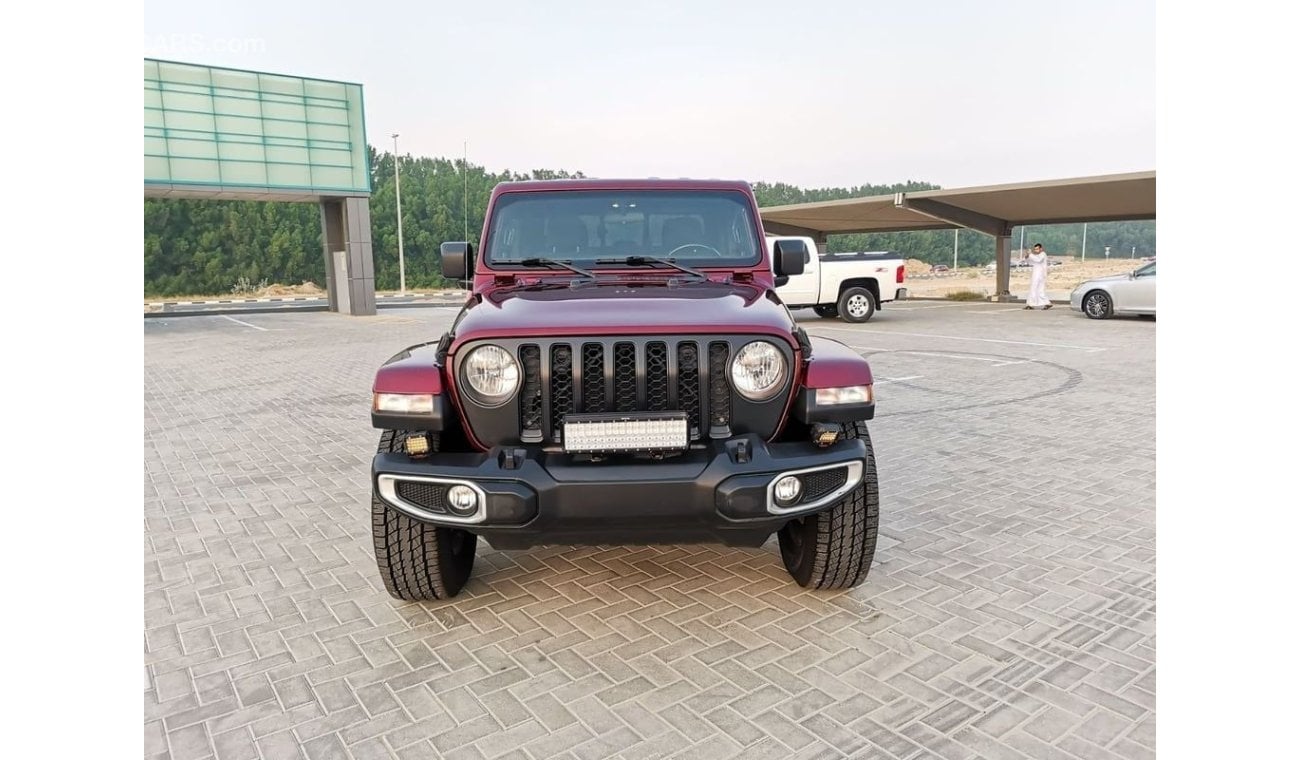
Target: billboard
[248, 133]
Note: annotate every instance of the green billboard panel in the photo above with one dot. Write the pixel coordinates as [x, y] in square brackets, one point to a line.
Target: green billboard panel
[234, 130]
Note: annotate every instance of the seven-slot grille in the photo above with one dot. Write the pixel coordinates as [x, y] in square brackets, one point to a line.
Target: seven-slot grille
[612, 375]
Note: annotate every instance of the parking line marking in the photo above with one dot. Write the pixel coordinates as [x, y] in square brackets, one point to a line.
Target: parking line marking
[960, 337]
[242, 322]
[883, 380]
[951, 356]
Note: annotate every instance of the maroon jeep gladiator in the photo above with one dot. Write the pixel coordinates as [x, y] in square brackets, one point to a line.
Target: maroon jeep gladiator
[622, 373]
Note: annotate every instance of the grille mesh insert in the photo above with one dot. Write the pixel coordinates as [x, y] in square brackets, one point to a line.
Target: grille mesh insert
[688, 384]
[430, 496]
[531, 394]
[818, 484]
[561, 386]
[593, 377]
[656, 359]
[624, 377]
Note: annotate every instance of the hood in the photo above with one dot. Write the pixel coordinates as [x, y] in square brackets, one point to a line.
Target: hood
[1109, 278]
[625, 308]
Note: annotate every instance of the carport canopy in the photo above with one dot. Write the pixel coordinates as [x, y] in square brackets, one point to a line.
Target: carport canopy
[992, 209]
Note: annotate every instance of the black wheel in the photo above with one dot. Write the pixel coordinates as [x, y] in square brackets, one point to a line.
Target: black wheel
[834, 548]
[418, 561]
[826, 312]
[856, 305]
[1097, 305]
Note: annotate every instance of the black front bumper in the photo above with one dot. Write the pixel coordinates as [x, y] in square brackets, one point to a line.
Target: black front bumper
[716, 494]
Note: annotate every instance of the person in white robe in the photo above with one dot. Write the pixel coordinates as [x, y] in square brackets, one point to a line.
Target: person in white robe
[1037, 298]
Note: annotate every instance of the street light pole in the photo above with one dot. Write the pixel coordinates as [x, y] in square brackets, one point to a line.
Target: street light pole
[401, 253]
[464, 167]
[464, 170]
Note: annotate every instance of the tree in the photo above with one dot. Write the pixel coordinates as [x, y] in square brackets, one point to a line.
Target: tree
[201, 247]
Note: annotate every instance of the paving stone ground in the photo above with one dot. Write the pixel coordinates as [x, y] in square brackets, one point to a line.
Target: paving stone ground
[1010, 612]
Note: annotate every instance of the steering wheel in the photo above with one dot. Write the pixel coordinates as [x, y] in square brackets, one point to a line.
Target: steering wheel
[716, 252]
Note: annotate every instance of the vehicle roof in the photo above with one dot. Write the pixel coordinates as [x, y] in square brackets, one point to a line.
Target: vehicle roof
[621, 184]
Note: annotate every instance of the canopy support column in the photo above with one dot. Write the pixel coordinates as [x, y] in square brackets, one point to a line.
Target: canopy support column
[1002, 246]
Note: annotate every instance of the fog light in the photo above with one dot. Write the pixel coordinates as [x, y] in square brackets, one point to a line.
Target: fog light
[462, 500]
[417, 445]
[824, 434]
[787, 490]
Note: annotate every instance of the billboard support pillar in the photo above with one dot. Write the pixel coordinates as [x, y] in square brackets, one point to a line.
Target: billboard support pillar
[345, 228]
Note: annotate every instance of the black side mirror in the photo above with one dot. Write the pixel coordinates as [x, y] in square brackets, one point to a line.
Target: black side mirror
[789, 256]
[456, 260]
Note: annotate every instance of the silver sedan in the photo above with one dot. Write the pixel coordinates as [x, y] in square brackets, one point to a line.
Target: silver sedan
[1104, 297]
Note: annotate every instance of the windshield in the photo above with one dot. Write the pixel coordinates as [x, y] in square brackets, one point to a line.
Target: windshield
[694, 227]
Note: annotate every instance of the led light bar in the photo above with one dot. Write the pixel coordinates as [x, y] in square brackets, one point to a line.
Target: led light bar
[601, 433]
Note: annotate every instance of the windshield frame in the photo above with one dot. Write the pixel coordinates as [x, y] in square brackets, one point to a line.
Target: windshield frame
[749, 224]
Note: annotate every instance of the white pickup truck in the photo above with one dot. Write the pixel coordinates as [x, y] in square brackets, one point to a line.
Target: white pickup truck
[848, 285]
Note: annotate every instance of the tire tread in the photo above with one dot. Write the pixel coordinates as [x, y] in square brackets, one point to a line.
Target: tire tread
[407, 551]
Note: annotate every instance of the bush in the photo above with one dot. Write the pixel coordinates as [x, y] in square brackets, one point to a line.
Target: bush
[244, 286]
[966, 295]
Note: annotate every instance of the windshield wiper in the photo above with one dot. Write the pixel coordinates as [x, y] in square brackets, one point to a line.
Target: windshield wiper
[644, 260]
[544, 262]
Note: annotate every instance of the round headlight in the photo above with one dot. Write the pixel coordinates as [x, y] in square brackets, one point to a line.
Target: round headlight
[758, 371]
[492, 374]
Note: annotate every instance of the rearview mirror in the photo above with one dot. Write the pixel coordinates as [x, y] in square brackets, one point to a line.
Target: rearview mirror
[456, 260]
[788, 257]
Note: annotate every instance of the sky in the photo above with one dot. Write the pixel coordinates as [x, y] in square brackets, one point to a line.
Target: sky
[817, 94]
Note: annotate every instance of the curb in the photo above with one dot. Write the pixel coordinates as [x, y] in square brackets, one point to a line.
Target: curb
[987, 299]
[290, 299]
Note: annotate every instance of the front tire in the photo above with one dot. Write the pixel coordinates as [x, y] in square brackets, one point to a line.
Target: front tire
[856, 305]
[418, 561]
[834, 548]
[1097, 305]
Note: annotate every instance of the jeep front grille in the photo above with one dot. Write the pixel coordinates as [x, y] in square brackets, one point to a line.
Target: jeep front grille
[625, 374]
[628, 376]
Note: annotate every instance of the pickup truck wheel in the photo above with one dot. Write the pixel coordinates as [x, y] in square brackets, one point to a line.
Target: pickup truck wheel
[834, 548]
[1097, 305]
[418, 561]
[826, 312]
[856, 305]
